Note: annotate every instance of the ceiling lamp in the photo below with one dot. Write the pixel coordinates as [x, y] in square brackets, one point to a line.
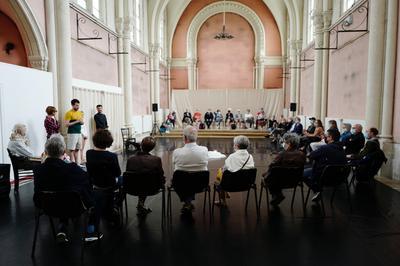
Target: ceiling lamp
[223, 36]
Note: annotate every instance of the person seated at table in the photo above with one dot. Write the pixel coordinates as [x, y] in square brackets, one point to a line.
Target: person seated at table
[229, 119]
[249, 119]
[197, 117]
[218, 118]
[260, 121]
[190, 158]
[240, 159]
[330, 154]
[144, 162]
[238, 118]
[208, 118]
[187, 117]
[289, 157]
[56, 175]
[103, 169]
[19, 146]
[356, 142]
[346, 132]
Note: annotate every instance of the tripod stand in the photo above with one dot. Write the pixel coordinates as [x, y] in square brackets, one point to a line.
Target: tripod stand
[155, 128]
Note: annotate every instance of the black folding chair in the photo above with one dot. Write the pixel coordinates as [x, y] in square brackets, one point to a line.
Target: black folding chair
[186, 184]
[333, 176]
[284, 178]
[5, 186]
[145, 183]
[128, 140]
[62, 205]
[20, 167]
[240, 181]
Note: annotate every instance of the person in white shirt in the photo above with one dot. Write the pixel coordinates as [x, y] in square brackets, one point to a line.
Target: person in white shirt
[239, 160]
[19, 142]
[249, 119]
[190, 158]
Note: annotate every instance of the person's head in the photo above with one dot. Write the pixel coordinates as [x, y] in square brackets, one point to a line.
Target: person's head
[312, 120]
[55, 146]
[75, 104]
[318, 123]
[51, 110]
[291, 141]
[229, 110]
[99, 108]
[190, 134]
[241, 142]
[346, 127]
[102, 139]
[148, 144]
[218, 110]
[248, 110]
[297, 119]
[238, 110]
[356, 129]
[332, 135]
[372, 133]
[332, 124]
[19, 131]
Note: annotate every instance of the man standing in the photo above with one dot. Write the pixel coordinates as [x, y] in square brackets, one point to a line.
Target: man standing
[190, 158]
[73, 120]
[100, 119]
[208, 118]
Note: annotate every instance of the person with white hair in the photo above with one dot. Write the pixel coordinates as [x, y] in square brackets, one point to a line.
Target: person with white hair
[240, 159]
[19, 142]
[239, 118]
[190, 158]
[56, 175]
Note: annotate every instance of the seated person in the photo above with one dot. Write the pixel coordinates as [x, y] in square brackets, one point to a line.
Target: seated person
[271, 123]
[297, 127]
[240, 159]
[330, 154]
[260, 121]
[356, 142]
[197, 116]
[19, 147]
[317, 136]
[190, 158]
[208, 118]
[218, 118]
[239, 118]
[311, 128]
[56, 175]
[144, 162]
[371, 145]
[103, 169]
[289, 157]
[172, 118]
[279, 130]
[187, 117]
[249, 119]
[229, 118]
[346, 132]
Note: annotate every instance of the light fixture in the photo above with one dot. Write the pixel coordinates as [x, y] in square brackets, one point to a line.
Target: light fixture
[223, 36]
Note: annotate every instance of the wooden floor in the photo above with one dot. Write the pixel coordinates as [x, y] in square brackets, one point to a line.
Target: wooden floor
[367, 236]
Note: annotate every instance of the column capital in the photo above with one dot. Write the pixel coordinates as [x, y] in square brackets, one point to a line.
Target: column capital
[38, 62]
[191, 61]
[318, 19]
[154, 49]
[127, 26]
[327, 18]
[119, 25]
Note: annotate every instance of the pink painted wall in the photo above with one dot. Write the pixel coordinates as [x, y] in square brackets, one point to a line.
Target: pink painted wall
[90, 59]
[179, 78]
[273, 78]
[140, 84]
[225, 64]
[306, 83]
[348, 79]
[272, 35]
[396, 117]
[10, 33]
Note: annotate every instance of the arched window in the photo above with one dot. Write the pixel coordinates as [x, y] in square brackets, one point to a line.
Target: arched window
[347, 4]
[310, 23]
[138, 18]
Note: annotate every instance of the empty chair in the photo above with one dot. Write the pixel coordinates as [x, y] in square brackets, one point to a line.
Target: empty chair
[240, 181]
[144, 184]
[284, 178]
[333, 176]
[62, 205]
[186, 184]
[128, 140]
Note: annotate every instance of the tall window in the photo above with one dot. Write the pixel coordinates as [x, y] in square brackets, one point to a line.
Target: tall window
[347, 4]
[138, 17]
[310, 22]
[93, 7]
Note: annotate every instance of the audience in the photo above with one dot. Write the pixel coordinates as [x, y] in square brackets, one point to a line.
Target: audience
[346, 132]
[330, 154]
[289, 157]
[356, 142]
[297, 127]
[144, 162]
[311, 128]
[56, 175]
[50, 123]
[190, 158]
[309, 138]
[103, 169]
[333, 125]
[240, 159]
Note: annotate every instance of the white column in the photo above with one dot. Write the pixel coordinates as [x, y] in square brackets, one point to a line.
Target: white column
[295, 49]
[191, 66]
[52, 46]
[299, 46]
[390, 67]
[128, 97]
[317, 17]
[155, 73]
[64, 56]
[375, 62]
[325, 67]
[119, 26]
[259, 72]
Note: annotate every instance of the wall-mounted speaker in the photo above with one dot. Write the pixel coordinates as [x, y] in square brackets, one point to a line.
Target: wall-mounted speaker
[293, 107]
[155, 107]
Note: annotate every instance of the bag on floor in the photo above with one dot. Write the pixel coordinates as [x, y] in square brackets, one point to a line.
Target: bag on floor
[5, 185]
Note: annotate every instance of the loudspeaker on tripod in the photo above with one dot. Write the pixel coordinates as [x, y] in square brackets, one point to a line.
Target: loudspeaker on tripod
[155, 107]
